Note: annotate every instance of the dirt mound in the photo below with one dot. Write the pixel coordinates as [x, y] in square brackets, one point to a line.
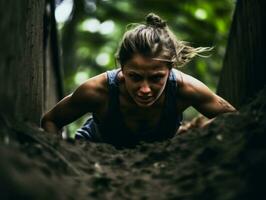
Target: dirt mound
[226, 160]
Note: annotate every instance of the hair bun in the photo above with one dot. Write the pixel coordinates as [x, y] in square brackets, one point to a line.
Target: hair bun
[154, 20]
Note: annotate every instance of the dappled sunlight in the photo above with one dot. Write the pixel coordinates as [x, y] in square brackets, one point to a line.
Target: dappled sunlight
[90, 6]
[201, 14]
[91, 25]
[107, 27]
[63, 11]
[81, 77]
[103, 59]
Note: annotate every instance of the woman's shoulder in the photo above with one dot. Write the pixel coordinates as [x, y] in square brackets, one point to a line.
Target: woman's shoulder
[93, 91]
[183, 80]
[96, 84]
[189, 87]
[179, 76]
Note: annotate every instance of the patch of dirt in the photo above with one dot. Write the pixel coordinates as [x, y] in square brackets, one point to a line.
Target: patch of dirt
[224, 161]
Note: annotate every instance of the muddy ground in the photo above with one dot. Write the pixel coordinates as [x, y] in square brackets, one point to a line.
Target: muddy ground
[226, 160]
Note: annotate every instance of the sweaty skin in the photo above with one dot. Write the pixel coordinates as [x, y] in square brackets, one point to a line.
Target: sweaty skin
[141, 93]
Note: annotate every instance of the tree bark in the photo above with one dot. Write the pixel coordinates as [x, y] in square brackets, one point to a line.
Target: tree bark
[243, 73]
[29, 69]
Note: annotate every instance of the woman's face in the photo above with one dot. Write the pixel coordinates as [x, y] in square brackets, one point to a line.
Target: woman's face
[145, 79]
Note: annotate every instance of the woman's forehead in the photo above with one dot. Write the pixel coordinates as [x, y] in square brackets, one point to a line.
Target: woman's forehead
[145, 71]
[142, 62]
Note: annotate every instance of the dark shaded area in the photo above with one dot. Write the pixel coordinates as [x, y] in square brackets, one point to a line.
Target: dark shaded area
[52, 57]
[30, 75]
[243, 72]
[225, 161]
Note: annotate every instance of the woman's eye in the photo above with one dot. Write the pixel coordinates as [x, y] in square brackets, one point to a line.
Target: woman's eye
[135, 77]
[156, 78]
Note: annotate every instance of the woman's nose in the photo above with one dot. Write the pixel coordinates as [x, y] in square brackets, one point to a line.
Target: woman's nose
[144, 88]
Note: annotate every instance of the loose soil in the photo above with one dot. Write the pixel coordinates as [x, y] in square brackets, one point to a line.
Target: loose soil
[224, 161]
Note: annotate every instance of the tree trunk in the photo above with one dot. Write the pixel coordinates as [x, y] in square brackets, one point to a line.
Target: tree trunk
[29, 67]
[244, 72]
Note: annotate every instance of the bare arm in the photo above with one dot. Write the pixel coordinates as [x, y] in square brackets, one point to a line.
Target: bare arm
[89, 97]
[202, 98]
[66, 111]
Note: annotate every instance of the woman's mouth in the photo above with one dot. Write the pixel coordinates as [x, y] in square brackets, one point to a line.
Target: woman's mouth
[144, 99]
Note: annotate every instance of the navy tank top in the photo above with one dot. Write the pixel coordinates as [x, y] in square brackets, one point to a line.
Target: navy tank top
[112, 128]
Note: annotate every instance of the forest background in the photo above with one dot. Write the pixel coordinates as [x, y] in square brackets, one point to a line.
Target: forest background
[90, 31]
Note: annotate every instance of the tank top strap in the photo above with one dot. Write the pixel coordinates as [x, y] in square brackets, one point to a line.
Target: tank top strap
[172, 87]
[113, 88]
[171, 98]
[112, 76]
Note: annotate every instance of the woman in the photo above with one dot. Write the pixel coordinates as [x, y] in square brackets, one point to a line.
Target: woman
[144, 99]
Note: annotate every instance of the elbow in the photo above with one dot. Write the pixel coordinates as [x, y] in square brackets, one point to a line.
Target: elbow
[230, 109]
[49, 125]
[44, 120]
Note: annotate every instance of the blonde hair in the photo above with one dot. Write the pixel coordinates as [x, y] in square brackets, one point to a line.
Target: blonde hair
[156, 40]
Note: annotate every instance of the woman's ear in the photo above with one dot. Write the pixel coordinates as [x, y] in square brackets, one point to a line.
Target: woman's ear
[121, 76]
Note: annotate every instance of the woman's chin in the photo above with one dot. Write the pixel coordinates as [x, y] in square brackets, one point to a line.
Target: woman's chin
[144, 104]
